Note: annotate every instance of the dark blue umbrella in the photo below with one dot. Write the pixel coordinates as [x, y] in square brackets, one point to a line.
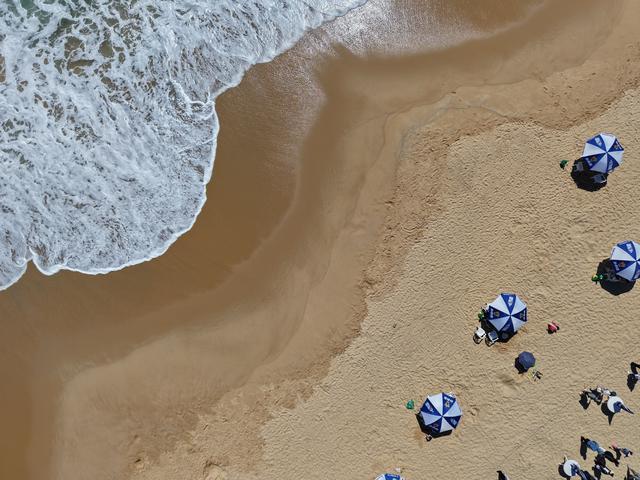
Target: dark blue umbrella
[526, 360]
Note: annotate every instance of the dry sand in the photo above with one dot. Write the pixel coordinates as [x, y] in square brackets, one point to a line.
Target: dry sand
[401, 191]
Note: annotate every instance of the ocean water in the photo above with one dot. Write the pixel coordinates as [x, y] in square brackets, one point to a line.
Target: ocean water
[107, 119]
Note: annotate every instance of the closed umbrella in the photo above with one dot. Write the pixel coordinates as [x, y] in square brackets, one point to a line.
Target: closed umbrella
[625, 259]
[389, 476]
[602, 153]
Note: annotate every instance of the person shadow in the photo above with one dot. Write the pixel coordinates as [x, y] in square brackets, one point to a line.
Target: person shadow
[583, 448]
[584, 401]
[631, 379]
[607, 412]
[612, 458]
[616, 287]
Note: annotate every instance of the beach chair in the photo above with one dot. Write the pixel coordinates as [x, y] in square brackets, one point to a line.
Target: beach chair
[492, 337]
[479, 335]
[610, 275]
[599, 179]
[578, 166]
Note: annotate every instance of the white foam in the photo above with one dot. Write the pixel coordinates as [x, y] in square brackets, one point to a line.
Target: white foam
[107, 119]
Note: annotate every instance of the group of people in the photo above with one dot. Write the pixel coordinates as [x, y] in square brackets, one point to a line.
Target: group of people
[602, 455]
[598, 394]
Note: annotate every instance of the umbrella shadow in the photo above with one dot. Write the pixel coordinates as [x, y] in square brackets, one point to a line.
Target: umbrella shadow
[583, 178]
[561, 472]
[631, 379]
[616, 287]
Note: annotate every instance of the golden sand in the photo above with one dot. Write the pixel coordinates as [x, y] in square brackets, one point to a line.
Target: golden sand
[351, 187]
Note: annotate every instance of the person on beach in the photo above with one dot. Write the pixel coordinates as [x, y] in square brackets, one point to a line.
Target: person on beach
[601, 465]
[620, 451]
[634, 376]
[592, 445]
[595, 394]
[603, 469]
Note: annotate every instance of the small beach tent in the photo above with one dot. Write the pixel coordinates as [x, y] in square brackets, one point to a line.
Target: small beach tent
[625, 259]
[389, 476]
[440, 413]
[616, 405]
[507, 313]
[526, 360]
[602, 153]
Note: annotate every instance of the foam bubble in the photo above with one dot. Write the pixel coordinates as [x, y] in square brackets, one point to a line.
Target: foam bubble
[107, 119]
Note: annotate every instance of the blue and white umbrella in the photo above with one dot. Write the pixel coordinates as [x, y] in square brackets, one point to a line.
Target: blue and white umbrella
[507, 313]
[440, 413]
[625, 259]
[603, 153]
[389, 476]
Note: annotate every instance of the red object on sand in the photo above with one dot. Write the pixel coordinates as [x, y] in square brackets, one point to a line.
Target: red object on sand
[553, 327]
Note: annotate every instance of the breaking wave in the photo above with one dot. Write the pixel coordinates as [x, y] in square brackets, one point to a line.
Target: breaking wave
[107, 119]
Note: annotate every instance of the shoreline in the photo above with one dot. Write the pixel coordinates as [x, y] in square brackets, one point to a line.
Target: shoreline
[194, 311]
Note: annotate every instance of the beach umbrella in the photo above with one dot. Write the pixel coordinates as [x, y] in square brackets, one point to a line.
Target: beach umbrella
[625, 259]
[507, 313]
[526, 360]
[615, 405]
[440, 413]
[602, 153]
[389, 476]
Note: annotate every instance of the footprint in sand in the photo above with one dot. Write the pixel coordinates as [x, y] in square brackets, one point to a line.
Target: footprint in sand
[212, 471]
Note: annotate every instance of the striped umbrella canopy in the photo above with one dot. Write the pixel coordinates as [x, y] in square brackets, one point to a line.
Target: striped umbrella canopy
[603, 153]
[625, 259]
[389, 476]
[507, 313]
[441, 413]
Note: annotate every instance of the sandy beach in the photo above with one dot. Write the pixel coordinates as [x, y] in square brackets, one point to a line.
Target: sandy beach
[370, 194]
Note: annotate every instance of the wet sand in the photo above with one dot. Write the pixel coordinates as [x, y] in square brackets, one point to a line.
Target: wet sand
[330, 171]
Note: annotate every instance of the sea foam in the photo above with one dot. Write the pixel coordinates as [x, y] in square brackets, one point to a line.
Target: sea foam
[107, 119]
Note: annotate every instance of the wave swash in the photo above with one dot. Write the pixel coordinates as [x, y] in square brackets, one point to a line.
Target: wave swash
[107, 119]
